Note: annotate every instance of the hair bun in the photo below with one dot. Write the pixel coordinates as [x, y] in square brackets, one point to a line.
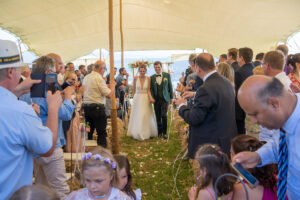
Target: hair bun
[290, 60]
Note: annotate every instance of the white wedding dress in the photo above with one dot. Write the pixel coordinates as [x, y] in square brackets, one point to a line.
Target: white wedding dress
[142, 124]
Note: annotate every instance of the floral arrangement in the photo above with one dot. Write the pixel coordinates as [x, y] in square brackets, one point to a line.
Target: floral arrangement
[137, 63]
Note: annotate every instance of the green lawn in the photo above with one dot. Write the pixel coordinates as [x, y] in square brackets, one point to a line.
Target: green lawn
[152, 167]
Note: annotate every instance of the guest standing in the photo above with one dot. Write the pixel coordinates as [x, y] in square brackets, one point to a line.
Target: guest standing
[94, 99]
[211, 118]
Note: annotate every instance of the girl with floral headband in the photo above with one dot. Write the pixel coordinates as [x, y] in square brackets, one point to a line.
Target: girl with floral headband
[101, 177]
[212, 163]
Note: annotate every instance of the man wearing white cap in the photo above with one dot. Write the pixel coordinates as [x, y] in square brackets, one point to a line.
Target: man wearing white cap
[22, 134]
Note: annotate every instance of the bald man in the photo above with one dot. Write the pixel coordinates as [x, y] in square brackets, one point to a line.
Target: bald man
[272, 65]
[212, 116]
[268, 104]
[59, 64]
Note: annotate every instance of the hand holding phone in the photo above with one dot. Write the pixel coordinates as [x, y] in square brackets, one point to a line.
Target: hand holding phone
[252, 181]
[25, 86]
[48, 82]
[54, 100]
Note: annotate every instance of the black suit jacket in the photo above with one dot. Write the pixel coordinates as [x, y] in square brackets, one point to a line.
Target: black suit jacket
[212, 116]
[235, 66]
[239, 77]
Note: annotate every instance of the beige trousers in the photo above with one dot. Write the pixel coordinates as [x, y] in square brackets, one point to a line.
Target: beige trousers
[51, 171]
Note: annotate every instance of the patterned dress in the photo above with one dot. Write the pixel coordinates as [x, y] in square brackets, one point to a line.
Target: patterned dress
[293, 79]
[83, 194]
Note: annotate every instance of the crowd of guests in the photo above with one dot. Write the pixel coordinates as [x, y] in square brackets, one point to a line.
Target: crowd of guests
[36, 129]
[213, 100]
[266, 90]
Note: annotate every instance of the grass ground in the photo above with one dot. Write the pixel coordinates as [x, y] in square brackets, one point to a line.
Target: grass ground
[152, 167]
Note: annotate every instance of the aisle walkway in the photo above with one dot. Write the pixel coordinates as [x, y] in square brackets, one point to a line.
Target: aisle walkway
[152, 167]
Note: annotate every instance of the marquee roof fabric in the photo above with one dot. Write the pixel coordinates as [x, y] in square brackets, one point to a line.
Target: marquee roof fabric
[73, 28]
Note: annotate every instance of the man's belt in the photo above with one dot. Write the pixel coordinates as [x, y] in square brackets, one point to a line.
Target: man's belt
[93, 105]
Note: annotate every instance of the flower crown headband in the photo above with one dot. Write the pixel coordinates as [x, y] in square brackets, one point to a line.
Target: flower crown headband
[89, 156]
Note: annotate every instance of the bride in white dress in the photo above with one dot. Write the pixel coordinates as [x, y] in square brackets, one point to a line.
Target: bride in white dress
[142, 124]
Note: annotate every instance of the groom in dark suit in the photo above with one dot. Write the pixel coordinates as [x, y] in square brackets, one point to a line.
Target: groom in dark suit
[212, 116]
[162, 92]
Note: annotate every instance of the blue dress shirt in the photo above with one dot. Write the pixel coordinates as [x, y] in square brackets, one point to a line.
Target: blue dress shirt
[64, 114]
[269, 152]
[22, 135]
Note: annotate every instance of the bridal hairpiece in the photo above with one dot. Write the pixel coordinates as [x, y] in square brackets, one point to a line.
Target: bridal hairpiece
[89, 156]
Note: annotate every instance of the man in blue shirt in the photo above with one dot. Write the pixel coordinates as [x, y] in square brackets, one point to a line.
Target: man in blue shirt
[51, 171]
[268, 104]
[22, 132]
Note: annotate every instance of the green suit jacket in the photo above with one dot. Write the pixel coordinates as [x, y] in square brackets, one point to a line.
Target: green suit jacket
[167, 86]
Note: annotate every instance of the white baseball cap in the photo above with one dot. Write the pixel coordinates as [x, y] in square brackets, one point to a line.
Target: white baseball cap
[9, 55]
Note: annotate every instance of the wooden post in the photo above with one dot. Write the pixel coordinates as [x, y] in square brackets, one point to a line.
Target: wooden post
[133, 73]
[100, 54]
[121, 33]
[19, 42]
[114, 124]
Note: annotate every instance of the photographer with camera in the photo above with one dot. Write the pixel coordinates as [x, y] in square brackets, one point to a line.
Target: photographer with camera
[22, 132]
[51, 171]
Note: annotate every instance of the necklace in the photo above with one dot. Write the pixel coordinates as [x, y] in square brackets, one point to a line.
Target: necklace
[102, 196]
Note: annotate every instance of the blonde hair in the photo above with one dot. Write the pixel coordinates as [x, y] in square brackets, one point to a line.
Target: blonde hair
[88, 163]
[68, 75]
[226, 70]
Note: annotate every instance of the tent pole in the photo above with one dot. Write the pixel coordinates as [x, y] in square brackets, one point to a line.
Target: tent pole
[121, 32]
[133, 72]
[100, 54]
[114, 125]
[20, 51]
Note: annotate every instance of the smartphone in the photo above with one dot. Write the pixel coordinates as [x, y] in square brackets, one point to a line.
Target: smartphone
[38, 90]
[48, 82]
[252, 181]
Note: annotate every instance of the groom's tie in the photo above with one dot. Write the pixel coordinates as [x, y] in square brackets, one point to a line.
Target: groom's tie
[282, 166]
[158, 75]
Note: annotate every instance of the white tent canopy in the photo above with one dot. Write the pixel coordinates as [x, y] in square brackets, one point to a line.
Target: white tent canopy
[73, 28]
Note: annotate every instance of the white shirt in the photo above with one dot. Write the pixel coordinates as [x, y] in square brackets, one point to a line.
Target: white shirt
[208, 75]
[284, 79]
[159, 78]
[96, 89]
